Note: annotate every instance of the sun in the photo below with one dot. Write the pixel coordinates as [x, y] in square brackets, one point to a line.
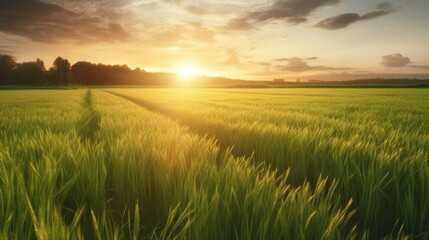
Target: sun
[187, 72]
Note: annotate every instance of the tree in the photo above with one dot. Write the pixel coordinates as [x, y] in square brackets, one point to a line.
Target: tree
[83, 72]
[40, 64]
[30, 73]
[61, 71]
[7, 65]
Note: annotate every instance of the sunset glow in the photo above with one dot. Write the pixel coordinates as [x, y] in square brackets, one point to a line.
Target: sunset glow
[214, 119]
[253, 40]
[187, 72]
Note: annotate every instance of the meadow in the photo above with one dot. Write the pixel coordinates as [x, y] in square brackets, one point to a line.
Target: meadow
[214, 164]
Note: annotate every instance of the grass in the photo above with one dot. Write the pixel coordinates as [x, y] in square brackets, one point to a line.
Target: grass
[381, 166]
[214, 164]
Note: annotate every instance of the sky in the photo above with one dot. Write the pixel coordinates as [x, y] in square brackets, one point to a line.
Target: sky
[246, 39]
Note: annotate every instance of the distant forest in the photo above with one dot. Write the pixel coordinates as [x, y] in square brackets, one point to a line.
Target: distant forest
[86, 73]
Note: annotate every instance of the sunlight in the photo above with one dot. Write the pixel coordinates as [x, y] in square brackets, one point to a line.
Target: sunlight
[187, 72]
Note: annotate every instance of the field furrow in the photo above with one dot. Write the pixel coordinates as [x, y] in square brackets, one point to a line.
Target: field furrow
[320, 133]
[158, 164]
[99, 166]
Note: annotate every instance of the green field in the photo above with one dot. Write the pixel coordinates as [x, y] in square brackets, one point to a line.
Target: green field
[214, 164]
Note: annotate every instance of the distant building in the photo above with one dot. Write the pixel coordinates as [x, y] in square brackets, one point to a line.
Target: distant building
[279, 80]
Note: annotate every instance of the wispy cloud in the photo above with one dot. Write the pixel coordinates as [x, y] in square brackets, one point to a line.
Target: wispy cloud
[344, 20]
[419, 67]
[300, 65]
[5, 51]
[179, 34]
[291, 11]
[288, 59]
[209, 7]
[233, 57]
[197, 10]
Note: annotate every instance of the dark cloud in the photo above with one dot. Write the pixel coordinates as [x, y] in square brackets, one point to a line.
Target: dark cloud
[344, 20]
[292, 11]
[339, 21]
[384, 6]
[395, 60]
[50, 23]
[299, 65]
[112, 8]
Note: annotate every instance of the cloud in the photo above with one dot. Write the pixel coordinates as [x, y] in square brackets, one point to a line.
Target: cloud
[233, 58]
[292, 11]
[419, 67]
[395, 60]
[197, 10]
[50, 23]
[210, 8]
[5, 49]
[294, 58]
[342, 76]
[344, 20]
[299, 65]
[206, 7]
[176, 2]
[180, 34]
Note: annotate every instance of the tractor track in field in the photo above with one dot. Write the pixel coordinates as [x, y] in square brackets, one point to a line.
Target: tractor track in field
[248, 145]
[214, 131]
[89, 122]
[225, 143]
[198, 129]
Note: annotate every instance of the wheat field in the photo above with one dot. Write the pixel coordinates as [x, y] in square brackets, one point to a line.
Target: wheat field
[214, 164]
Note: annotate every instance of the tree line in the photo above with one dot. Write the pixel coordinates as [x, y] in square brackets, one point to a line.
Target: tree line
[84, 73]
[87, 73]
[13, 73]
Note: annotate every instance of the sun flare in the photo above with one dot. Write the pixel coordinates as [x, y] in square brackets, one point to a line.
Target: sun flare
[187, 72]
